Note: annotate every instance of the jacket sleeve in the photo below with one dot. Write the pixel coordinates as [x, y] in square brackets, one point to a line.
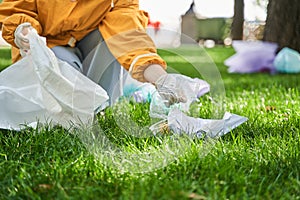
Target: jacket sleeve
[13, 13]
[124, 31]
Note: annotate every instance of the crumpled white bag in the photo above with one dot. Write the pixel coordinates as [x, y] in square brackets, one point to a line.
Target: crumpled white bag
[178, 122]
[42, 88]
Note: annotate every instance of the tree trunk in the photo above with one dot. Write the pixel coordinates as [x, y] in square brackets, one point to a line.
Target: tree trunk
[238, 20]
[283, 23]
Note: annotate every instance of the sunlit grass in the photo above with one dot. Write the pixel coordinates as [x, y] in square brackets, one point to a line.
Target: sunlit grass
[5, 57]
[258, 160]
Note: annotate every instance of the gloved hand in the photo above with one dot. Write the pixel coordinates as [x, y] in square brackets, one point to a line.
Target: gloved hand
[170, 89]
[166, 84]
[21, 39]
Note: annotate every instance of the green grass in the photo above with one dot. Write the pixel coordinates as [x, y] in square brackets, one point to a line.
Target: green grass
[5, 57]
[258, 160]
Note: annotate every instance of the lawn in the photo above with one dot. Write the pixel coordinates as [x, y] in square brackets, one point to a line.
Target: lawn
[5, 57]
[257, 160]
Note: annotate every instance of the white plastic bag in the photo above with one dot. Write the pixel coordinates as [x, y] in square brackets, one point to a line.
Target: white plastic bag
[176, 120]
[181, 123]
[41, 88]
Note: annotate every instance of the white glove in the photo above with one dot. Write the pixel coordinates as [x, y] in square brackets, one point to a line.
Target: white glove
[21, 39]
[167, 85]
[170, 89]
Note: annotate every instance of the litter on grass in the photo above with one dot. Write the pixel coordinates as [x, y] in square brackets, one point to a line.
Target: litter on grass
[41, 88]
[287, 61]
[197, 127]
[260, 56]
[251, 57]
[174, 117]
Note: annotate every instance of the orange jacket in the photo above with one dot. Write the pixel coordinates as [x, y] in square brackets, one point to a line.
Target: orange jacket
[120, 22]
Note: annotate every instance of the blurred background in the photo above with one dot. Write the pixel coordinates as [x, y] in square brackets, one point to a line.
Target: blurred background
[219, 22]
[208, 22]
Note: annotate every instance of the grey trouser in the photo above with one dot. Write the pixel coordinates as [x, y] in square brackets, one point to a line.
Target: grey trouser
[92, 57]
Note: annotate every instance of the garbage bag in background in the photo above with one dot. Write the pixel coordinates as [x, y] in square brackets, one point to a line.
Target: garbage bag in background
[41, 88]
[287, 61]
[251, 57]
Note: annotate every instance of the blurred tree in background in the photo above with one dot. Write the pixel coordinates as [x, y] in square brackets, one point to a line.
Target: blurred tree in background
[283, 23]
[238, 20]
